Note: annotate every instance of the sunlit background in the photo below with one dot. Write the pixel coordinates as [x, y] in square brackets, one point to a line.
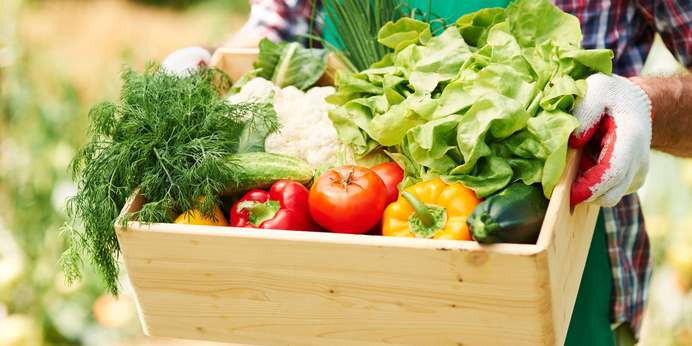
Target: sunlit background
[59, 57]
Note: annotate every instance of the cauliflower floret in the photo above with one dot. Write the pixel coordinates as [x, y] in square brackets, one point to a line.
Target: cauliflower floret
[305, 130]
[255, 90]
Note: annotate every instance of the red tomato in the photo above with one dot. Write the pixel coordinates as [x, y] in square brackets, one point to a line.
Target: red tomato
[391, 174]
[348, 199]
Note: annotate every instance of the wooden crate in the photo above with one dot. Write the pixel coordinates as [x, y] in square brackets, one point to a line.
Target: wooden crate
[236, 61]
[271, 287]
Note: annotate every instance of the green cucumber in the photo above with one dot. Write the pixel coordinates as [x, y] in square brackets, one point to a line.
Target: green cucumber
[259, 170]
[514, 215]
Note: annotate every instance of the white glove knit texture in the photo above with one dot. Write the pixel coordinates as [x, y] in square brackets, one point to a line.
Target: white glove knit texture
[630, 108]
[185, 60]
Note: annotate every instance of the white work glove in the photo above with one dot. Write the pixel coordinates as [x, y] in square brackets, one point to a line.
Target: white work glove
[615, 129]
[185, 60]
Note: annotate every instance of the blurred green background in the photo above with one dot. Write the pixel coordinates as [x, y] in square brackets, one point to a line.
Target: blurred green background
[59, 57]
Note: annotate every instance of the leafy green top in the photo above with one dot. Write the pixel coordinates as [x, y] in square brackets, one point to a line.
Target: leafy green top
[289, 63]
[486, 102]
[171, 137]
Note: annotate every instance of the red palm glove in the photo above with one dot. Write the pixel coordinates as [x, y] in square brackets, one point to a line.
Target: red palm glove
[615, 131]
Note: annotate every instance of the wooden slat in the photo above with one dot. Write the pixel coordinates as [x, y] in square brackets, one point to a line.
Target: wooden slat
[234, 61]
[566, 236]
[266, 289]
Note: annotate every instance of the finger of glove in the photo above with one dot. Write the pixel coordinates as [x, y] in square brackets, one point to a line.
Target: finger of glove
[620, 188]
[586, 161]
[629, 164]
[185, 60]
[599, 177]
[578, 140]
[631, 182]
[589, 110]
[640, 176]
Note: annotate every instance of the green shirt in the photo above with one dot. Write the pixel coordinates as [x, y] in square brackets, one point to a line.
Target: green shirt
[449, 10]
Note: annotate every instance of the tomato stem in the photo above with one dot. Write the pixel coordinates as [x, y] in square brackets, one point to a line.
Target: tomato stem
[345, 181]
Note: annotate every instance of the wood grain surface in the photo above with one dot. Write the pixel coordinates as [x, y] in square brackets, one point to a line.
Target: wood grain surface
[566, 236]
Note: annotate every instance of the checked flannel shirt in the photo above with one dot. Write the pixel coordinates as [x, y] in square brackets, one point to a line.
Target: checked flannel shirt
[625, 26]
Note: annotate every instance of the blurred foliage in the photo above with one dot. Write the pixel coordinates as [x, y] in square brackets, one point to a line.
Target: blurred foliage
[59, 57]
[667, 202]
[240, 6]
[169, 3]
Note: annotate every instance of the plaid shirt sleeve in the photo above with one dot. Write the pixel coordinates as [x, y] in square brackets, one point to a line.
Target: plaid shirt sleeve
[288, 20]
[672, 19]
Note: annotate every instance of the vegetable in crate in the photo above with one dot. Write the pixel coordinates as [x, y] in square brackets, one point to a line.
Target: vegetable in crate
[486, 102]
[195, 217]
[430, 209]
[284, 206]
[174, 138]
[289, 63]
[258, 170]
[348, 199]
[514, 215]
[305, 130]
[391, 174]
[356, 24]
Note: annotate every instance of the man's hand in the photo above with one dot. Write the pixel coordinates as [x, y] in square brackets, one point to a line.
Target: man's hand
[182, 61]
[615, 130]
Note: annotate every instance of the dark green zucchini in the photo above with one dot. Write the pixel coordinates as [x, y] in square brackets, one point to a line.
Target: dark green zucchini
[514, 215]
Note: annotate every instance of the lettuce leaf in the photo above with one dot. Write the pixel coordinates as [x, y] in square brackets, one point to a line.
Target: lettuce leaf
[440, 60]
[290, 64]
[485, 103]
[403, 33]
[474, 26]
[535, 22]
[552, 130]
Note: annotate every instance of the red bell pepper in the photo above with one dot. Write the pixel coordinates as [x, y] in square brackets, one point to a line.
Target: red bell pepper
[284, 206]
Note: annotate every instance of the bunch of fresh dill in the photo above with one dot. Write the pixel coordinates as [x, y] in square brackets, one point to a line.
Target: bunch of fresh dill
[169, 136]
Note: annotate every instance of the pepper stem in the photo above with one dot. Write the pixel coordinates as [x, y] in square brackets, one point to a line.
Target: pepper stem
[259, 212]
[422, 211]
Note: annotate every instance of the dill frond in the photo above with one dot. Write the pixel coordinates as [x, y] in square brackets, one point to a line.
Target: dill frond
[171, 137]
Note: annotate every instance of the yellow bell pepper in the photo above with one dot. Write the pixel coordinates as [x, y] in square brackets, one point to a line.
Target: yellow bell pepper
[195, 217]
[431, 209]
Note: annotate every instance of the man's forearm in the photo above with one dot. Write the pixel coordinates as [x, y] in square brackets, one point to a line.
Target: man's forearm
[671, 108]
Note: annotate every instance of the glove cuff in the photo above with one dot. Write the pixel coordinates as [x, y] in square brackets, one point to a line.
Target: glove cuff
[640, 97]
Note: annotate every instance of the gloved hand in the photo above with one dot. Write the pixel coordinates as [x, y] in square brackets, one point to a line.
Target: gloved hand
[615, 129]
[182, 61]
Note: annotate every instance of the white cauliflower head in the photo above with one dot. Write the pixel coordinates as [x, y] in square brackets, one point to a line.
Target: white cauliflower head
[305, 129]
